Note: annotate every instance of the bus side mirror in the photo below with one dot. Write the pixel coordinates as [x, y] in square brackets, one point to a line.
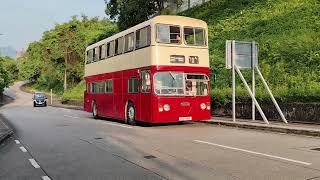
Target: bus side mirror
[214, 78]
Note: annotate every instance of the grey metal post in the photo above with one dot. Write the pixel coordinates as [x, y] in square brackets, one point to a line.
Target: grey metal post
[272, 98]
[253, 98]
[233, 83]
[51, 96]
[253, 81]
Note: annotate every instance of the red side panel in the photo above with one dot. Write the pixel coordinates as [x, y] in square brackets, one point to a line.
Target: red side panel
[146, 104]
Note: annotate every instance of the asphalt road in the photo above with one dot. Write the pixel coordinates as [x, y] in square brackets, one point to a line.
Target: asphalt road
[69, 144]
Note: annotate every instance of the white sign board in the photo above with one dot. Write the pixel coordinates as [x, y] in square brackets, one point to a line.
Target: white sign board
[243, 54]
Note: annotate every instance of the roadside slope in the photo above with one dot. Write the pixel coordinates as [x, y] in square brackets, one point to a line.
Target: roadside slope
[288, 33]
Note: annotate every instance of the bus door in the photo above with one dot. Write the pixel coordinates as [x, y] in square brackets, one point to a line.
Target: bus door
[145, 95]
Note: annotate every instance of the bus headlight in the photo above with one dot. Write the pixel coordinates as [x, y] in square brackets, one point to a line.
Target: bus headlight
[203, 106]
[166, 107]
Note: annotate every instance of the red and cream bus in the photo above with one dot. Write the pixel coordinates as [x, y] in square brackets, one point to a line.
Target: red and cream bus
[155, 72]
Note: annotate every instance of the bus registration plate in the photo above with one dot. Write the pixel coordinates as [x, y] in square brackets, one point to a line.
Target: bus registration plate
[185, 118]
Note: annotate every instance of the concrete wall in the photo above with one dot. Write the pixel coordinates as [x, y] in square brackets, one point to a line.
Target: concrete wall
[302, 112]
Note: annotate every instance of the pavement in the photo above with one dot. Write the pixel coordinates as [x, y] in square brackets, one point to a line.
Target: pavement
[60, 143]
[274, 126]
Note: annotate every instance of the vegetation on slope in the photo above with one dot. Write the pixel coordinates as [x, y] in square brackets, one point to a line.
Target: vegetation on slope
[288, 33]
[56, 61]
[8, 73]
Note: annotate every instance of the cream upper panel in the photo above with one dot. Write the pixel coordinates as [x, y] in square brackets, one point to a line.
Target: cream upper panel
[150, 56]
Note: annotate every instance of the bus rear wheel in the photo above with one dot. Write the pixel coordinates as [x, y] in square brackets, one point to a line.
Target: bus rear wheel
[131, 114]
[94, 110]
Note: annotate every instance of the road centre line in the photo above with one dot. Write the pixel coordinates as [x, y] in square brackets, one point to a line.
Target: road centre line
[23, 149]
[34, 163]
[45, 178]
[17, 141]
[253, 152]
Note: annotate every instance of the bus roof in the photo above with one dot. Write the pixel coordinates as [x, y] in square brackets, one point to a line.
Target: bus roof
[161, 19]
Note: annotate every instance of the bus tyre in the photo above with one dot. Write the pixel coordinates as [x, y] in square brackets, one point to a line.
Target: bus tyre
[131, 113]
[94, 110]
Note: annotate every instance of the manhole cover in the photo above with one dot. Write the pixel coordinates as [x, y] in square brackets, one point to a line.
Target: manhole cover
[316, 149]
[98, 138]
[150, 157]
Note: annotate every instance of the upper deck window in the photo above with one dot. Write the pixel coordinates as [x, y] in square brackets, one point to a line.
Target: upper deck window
[143, 37]
[119, 46]
[194, 36]
[96, 54]
[129, 42]
[168, 34]
[110, 49]
[89, 56]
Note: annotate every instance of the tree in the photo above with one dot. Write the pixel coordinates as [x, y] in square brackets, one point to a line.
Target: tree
[5, 77]
[128, 13]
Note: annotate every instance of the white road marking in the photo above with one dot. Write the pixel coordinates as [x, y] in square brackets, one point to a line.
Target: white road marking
[74, 117]
[45, 178]
[17, 141]
[34, 163]
[23, 149]
[120, 125]
[253, 152]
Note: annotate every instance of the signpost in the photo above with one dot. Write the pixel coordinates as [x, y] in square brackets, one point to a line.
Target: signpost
[244, 55]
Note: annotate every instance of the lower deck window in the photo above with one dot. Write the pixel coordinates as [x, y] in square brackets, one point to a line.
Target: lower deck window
[133, 85]
[180, 84]
[168, 83]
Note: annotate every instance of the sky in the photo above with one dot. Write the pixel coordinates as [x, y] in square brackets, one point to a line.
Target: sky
[24, 21]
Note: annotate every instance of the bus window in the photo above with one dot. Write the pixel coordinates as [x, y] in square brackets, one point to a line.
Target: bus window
[110, 49]
[101, 87]
[196, 84]
[133, 85]
[143, 37]
[169, 83]
[94, 88]
[168, 34]
[145, 82]
[96, 54]
[119, 46]
[194, 36]
[103, 52]
[109, 86]
[90, 56]
[129, 42]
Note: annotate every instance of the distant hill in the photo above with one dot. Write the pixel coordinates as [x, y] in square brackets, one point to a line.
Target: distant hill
[8, 51]
[288, 33]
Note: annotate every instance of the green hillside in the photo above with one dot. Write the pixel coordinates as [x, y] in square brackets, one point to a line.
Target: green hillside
[288, 33]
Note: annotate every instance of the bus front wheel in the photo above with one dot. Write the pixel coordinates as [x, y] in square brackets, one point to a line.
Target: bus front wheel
[94, 110]
[131, 113]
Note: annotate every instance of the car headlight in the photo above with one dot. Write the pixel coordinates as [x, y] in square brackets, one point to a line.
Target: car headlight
[166, 107]
[203, 106]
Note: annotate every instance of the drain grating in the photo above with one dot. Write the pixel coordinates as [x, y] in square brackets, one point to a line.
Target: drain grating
[98, 138]
[316, 149]
[150, 157]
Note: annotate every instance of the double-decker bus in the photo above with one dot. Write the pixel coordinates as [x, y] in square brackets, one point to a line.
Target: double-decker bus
[155, 72]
